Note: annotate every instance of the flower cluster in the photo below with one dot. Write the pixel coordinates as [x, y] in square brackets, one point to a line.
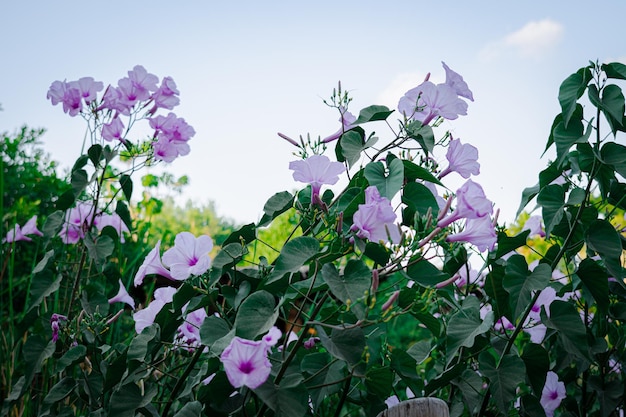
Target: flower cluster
[79, 219]
[375, 220]
[139, 91]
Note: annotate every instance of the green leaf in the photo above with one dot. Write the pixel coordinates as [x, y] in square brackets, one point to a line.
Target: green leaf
[422, 134]
[79, 181]
[65, 201]
[80, 163]
[504, 378]
[324, 380]
[191, 409]
[571, 90]
[596, 280]
[127, 186]
[288, 399]
[293, 256]
[377, 253]
[388, 182]
[552, 200]
[373, 113]
[615, 70]
[138, 348]
[125, 401]
[614, 154]
[346, 344]
[44, 284]
[99, 248]
[611, 104]
[53, 223]
[566, 137]
[470, 383]
[244, 235]
[121, 209]
[507, 244]
[414, 172]
[571, 331]
[36, 350]
[602, 238]
[352, 285]
[256, 315]
[75, 354]
[60, 390]
[520, 285]
[215, 334]
[378, 381]
[420, 199]
[426, 274]
[537, 363]
[275, 206]
[465, 325]
[95, 153]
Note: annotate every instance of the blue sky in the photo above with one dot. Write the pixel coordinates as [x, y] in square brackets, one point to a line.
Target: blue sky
[247, 70]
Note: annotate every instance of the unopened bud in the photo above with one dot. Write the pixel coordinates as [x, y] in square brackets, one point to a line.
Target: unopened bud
[375, 281]
[392, 299]
[288, 139]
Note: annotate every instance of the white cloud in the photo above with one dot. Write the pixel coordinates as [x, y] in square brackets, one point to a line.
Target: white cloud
[533, 40]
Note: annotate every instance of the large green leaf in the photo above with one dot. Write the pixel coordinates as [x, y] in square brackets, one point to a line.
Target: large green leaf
[614, 154]
[465, 325]
[537, 363]
[571, 90]
[504, 377]
[127, 186]
[138, 348]
[351, 144]
[615, 70]
[426, 274]
[566, 137]
[275, 206]
[190, 409]
[43, 284]
[288, 399]
[99, 248]
[352, 285]
[326, 378]
[602, 238]
[388, 181]
[507, 244]
[215, 334]
[256, 315]
[378, 380]
[72, 356]
[420, 199]
[571, 331]
[520, 284]
[422, 134]
[611, 104]
[552, 200]
[596, 280]
[373, 113]
[346, 344]
[36, 350]
[293, 256]
[60, 390]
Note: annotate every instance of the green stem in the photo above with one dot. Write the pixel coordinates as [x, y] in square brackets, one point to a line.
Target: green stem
[182, 379]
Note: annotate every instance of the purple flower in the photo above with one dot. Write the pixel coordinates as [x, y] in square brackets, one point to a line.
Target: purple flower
[375, 220]
[189, 331]
[272, 336]
[428, 101]
[347, 120]
[316, 170]
[54, 324]
[455, 81]
[311, 342]
[462, 158]
[246, 363]
[189, 256]
[552, 394]
[113, 130]
[479, 232]
[70, 96]
[122, 296]
[166, 96]
[88, 88]
[471, 204]
[172, 134]
[137, 86]
[76, 222]
[144, 318]
[151, 265]
[19, 233]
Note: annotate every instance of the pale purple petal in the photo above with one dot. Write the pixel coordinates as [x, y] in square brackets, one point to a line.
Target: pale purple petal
[454, 80]
[462, 158]
[480, 232]
[151, 265]
[246, 363]
[122, 296]
[552, 394]
[189, 256]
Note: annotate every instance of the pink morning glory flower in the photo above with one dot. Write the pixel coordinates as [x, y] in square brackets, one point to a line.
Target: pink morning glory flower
[479, 232]
[88, 88]
[189, 331]
[20, 232]
[151, 265]
[375, 220]
[189, 256]
[166, 96]
[316, 170]
[173, 127]
[113, 130]
[137, 86]
[347, 120]
[552, 394]
[462, 158]
[63, 92]
[167, 150]
[455, 81]
[246, 363]
[76, 222]
[471, 204]
[428, 101]
[272, 336]
[122, 296]
[144, 318]
[115, 221]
